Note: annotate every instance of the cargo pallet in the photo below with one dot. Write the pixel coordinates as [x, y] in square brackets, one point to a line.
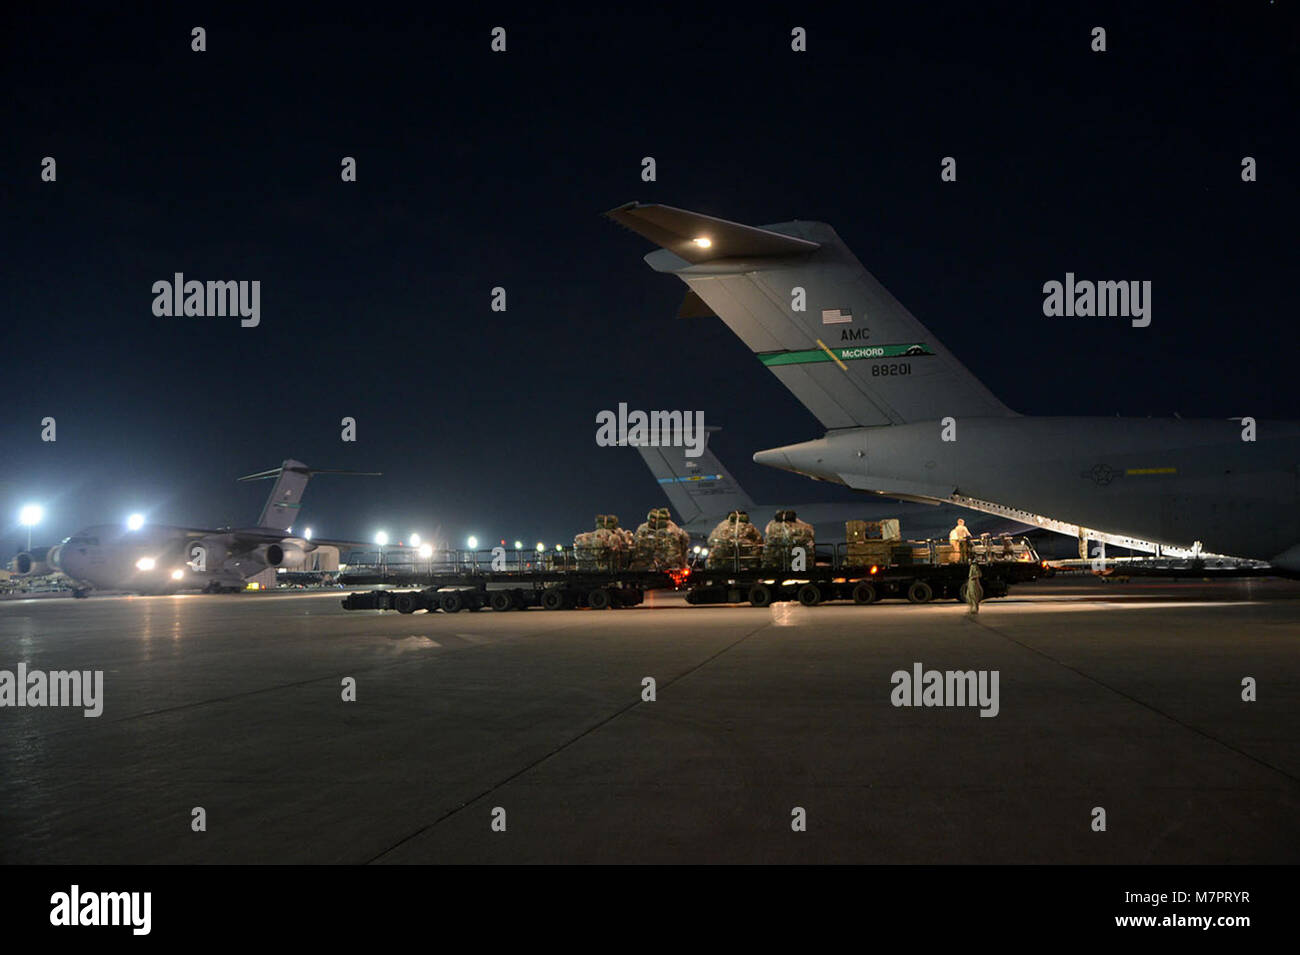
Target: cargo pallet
[563, 583]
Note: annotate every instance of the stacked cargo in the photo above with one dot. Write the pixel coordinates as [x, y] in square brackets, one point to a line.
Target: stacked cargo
[877, 543]
[735, 544]
[783, 534]
[659, 544]
[608, 547]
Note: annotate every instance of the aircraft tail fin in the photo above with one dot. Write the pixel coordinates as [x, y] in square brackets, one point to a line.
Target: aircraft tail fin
[291, 477]
[803, 303]
[696, 487]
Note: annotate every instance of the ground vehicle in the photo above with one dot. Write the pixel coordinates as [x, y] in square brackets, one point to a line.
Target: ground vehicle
[468, 581]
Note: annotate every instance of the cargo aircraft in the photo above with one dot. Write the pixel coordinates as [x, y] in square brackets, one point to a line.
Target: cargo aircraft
[703, 492]
[905, 419]
[138, 557]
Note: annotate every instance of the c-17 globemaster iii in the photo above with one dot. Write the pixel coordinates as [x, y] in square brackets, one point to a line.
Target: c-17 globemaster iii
[904, 418]
[153, 558]
[703, 492]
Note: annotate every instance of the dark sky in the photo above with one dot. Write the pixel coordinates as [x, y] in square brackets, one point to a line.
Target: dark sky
[479, 169]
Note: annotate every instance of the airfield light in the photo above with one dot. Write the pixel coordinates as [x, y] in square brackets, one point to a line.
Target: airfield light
[519, 545]
[135, 522]
[306, 535]
[704, 552]
[415, 540]
[473, 543]
[145, 563]
[695, 549]
[703, 242]
[426, 551]
[177, 574]
[559, 547]
[30, 514]
[540, 547]
[381, 538]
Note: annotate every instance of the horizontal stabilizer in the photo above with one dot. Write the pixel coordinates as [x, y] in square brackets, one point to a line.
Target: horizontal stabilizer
[697, 238]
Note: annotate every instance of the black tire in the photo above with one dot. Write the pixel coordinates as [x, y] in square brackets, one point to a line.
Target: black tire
[553, 599]
[864, 593]
[406, 603]
[920, 592]
[810, 595]
[598, 599]
[501, 601]
[452, 603]
[760, 595]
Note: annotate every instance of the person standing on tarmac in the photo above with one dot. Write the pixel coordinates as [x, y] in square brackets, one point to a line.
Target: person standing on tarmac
[959, 537]
[974, 591]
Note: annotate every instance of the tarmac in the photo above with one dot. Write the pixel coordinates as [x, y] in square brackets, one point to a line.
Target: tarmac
[1112, 696]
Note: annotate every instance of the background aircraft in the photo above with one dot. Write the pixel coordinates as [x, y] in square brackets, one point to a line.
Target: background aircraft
[154, 558]
[702, 492]
[906, 419]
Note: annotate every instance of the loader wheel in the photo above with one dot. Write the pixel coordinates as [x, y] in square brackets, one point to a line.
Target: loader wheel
[598, 599]
[501, 601]
[553, 599]
[810, 595]
[760, 595]
[405, 603]
[864, 593]
[920, 592]
[452, 603]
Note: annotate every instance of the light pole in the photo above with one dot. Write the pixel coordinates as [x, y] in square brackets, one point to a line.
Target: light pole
[30, 515]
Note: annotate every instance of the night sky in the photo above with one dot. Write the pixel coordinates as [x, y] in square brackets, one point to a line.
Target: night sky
[478, 169]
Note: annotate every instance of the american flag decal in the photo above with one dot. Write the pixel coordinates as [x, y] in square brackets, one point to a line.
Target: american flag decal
[836, 316]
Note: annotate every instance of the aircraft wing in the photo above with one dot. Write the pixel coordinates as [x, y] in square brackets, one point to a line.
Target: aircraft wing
[245, 539]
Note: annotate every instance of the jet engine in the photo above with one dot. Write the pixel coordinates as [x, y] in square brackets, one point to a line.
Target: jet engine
[281, 555]
[32, 563]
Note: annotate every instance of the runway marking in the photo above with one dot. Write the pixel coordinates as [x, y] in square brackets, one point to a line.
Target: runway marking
[563, 746]
[1128, 696]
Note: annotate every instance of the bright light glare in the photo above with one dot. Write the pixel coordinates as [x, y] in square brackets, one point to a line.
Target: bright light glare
[697, 548]
[31, 514]
[135, 522]
[426, 551]
[145, 563]
[177, 574]
[306, 535]
[415, 540]
[703, 242]
[381, 538]
[540, 547]
[519, 545]
[473, 543]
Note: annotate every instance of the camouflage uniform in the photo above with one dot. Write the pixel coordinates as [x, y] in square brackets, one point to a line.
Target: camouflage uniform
[974, 592]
